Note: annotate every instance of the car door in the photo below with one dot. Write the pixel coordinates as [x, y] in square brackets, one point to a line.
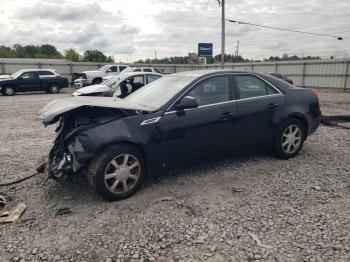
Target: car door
[29, 81]
[208, 129]
[260, 106]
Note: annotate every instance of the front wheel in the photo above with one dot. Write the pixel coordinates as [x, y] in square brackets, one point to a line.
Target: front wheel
[289, 139]
[117, 172]
[8, 91]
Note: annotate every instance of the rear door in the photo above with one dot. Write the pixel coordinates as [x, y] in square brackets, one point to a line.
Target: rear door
[46, 77]
[29, 81]
[260, 107]
[208, 129]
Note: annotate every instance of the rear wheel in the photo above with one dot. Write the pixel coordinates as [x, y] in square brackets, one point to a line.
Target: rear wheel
[54, 89]
[8, 90]
[289, 139]
[118, 172]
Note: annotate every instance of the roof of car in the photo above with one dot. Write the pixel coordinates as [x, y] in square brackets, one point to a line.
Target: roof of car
[36, 69]
[198, 73]
[139, 73]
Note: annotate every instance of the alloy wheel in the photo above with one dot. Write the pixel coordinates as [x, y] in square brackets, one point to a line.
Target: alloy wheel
[9, 91]
[122, 174]
[291, 139]
[54, 89]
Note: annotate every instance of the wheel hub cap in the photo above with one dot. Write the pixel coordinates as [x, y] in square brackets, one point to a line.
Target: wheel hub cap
[291, 139]
[122, 174]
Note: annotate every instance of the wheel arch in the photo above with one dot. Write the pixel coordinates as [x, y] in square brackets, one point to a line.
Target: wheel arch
[10, 85]
[124, 142]
[302, 119]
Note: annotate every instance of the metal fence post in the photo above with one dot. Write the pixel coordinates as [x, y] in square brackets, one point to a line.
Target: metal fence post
[39, 65]
[3, 68]
[303, 75]
[346, 74]
[276, 68]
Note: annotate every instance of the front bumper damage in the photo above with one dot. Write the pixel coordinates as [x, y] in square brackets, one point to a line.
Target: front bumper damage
[66, 157]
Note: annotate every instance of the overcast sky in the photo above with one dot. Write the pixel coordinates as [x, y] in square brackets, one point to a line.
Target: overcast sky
[133, 29]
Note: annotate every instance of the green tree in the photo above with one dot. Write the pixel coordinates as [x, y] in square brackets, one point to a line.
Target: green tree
[72, 55]
[94, 56]
[50, 51]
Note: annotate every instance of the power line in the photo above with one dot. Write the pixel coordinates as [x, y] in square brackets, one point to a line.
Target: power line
[284, 29]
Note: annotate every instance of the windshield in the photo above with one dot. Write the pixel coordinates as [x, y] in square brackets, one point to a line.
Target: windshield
[159, 92]
[104, 68]
[17, 74]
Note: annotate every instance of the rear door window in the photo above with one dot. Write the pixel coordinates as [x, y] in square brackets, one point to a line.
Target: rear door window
[251, 86]
[45, 73]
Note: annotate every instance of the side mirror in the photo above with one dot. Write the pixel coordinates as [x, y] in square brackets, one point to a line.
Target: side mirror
[186, 103]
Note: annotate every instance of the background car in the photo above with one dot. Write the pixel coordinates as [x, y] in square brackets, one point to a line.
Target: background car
[33, 80]
[95, 77]
[283, 77]
[122, 84]
[175, 120]
[136, 69]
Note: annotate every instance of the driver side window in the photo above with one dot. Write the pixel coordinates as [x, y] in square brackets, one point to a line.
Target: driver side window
[28, 76]
[211, 91]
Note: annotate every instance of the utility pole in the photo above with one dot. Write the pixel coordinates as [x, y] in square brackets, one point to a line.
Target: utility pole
[237, 49]
[222, 34]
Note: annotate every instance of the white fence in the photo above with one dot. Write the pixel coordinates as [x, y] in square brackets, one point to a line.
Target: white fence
[333, 73]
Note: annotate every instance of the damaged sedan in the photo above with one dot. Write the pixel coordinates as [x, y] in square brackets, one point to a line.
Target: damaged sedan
[176, 119]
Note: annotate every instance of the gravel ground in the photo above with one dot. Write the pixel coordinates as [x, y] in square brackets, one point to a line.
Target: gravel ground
[247, 208]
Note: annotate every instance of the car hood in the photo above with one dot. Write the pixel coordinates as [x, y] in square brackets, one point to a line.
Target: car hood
[50, 113]
[93, 89]
[4, 77]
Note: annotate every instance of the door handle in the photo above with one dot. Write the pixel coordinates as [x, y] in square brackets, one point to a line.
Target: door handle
[227, 116]
[271, 106]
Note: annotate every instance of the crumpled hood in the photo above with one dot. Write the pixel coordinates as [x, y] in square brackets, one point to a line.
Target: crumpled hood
[93, 89]
[50, 113]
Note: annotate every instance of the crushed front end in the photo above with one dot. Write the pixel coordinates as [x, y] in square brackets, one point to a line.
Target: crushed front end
[69, 154]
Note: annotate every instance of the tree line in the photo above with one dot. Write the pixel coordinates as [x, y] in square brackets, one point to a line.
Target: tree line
[50, 51]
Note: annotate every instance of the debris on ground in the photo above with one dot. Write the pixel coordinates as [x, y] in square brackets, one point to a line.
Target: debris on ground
[317, 188]
[237, 190]
[258, 242]
[11, 212]
[63, 211]
[164, 199]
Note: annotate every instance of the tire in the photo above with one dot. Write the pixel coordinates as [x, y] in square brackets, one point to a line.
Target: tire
[54, 89]
[8, 90]
[289, 139]
[97, 81]
[111, 178]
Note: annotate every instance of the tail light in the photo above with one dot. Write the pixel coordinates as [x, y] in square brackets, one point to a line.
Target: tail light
[314, 91]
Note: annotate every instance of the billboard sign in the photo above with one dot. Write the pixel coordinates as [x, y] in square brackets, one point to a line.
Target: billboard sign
[205, 49]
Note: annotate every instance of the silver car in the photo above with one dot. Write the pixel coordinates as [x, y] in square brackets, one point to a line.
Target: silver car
[122, 84]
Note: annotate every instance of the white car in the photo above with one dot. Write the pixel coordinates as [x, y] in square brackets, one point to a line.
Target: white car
[95, 77]
[136, 69]
[122, 85]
